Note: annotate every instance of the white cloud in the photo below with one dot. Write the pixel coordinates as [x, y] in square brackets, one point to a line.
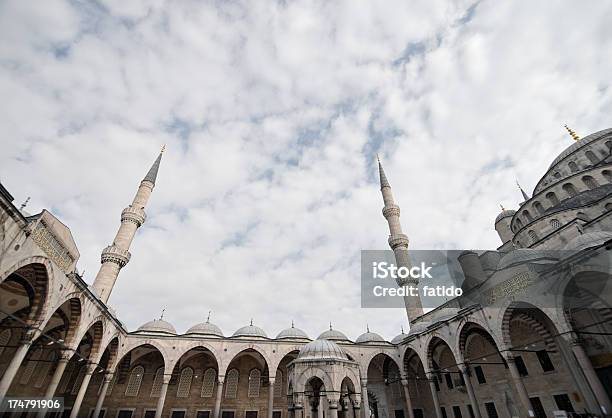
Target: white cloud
[272, 112]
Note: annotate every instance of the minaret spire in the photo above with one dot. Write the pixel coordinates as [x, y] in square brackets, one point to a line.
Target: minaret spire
[398, 242]
[525, 195]
[117, 255]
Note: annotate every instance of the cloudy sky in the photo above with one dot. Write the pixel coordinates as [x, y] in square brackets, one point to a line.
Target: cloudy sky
[272, 113]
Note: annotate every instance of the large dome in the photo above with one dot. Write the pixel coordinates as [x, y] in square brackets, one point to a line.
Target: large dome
[579, 144]
[292, 333]
[250, 331]
[158, 326]
[370, 337]
[322, 350]
[205, 328]
[584, 241]
[332, 335]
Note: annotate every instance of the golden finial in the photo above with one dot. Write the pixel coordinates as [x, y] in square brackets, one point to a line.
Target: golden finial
[163, 149]
[572, 133]
[502, 206]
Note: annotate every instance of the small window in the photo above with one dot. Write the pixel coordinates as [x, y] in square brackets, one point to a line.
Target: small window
[491, 411]
[590, 182]
[544, 358]
[101, 415]
[157, 383]
[208, 383]
[570, 189]
[149, 413]
[250, 414]
[449, 380]
[557, 175]
[457, 412]
[532, 235]
[277, 414]
[552, 198]
[418, 413]
[125, 413]
[555, 224]
[278, 384]
[538, 409]
[133, 385]
[520, 366]
[519, 224]
[471, 411]
[573, 166]
[527, 215]
[539, 208]
[607, 175]
[443, 412]
[227, 414]
[480, 375]
[203, 414]
[436, 384]
[398, 413]
[79, 379]
[592, 157]
[178, 414]
[608, 206]
[609, 144]
[563, 403]
[254, 383]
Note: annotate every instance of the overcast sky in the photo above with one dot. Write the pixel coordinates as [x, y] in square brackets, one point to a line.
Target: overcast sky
[272, 113]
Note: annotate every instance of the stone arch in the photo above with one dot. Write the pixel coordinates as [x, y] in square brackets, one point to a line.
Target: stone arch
[533, 318]
[471, 326]
[232, 353]
[198, 345]
[364, 362]
[129, 346]
[280, 355]
[308, 374]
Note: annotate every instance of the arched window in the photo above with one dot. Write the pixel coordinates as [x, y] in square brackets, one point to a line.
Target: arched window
[278, 384]
[555, 224]
[608, 206]
[208, 383]
[231, 384]
[607, 175]
[158, 380]
[184, 383]
[570, 189]
[29, 368]
[590, 182]
[539, 208]
[527, 215]
[133, 385]
[573, 166]
[556, 175]
[43, 370]
[552, 197]
[519, 224]
[79, 379]
[5, 338]
[111, 385]
[67, 377]
[591, 156]
[254, 383]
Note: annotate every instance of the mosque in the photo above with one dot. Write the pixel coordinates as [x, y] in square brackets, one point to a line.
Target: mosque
[529, 337]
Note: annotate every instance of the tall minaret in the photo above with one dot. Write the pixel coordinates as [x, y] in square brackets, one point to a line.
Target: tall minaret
[117, 255]
[398, 241]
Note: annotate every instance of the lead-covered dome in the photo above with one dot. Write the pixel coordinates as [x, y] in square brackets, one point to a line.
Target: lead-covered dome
[250, 331]
[399, 338]
[158, 326]
[418, 328]
[332, 335]
[322, 350]
[369, 337]
[584, 241]
[205, 328]
[579, 144]
[292, 333]
[506, 213]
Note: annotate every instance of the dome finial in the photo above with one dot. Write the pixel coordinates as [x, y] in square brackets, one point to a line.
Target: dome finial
[367, 327]
[25, 203]
[572, 133]
[251, 321]
[525, 195]
[402, 328]
[162, 314]
[163, 148]
[502, 207]
[292, 324]
[330, 325]
[208, 317]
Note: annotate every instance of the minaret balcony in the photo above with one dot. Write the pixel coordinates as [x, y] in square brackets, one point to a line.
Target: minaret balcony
[390, 211]
[398, 241]
[115, 255]
[134, 215]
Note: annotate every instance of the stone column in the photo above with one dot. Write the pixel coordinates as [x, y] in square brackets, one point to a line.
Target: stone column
[364, 398]
[520, 387]
[356, 406]
[217, 411]
[65, 357]
[162, 396]
[298, 410]
[434, 395]
[465, 372]
[271, 396]
[332, 404]
[82, 390]
[107, 379]
[591, 377]
[13, 367]
[409, 411]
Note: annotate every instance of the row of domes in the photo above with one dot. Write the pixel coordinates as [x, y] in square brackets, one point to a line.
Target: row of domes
[160, 326]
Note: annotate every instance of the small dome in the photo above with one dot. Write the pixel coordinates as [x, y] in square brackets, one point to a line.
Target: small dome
[205, 328]
[506, 213]
[157, 326]
[399, 338]
[322, 350]
[584, 241]
[332, 335]
[250, 331]
[525, 255]
[370, 337]
[292, 333]
[418, 328]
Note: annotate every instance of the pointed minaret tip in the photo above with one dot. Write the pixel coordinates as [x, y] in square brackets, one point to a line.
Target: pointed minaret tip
[525, 195]
[152, 174]
[382, 176]
[572, 133]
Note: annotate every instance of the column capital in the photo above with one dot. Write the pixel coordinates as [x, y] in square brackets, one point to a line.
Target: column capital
[166, 379]
[91, 368]
[271, 380]
[404, 381]
[332, 403]
[364, 383]
[220, 379]
[108, 376]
